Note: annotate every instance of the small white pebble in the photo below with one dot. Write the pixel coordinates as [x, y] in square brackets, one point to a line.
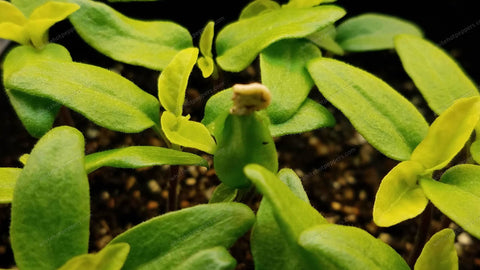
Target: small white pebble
[464, 239]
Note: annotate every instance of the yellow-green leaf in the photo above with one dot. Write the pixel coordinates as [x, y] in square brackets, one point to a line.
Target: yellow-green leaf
[10, 13]
[385, 118]
[112, 257]
[180, 130]
[239, 43]
[399, 196]
[140, 157]
[216, 258]
[223, 193]
[305, 3]
[257, 7]
[172, 82]
[205, 63]
[8, 178]
[325, 39]
[372, 31]
[458, 187]
[283, 71]
[448, 134]
[43, 17]
[439, 252]
[440, 80]
[36, 113]
[293, 214]
[475, 150]
[151, 44]
[12, 23]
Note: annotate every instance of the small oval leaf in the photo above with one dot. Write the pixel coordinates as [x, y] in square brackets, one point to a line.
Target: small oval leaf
[440, 80]
[179, 130]
[448, 134]
[386, 119]
[399, 197]
[51, 203]
[439, 252]
[258, 7]
[223, 193]
[371, 31]
[205, 63]
[239, 43]
[139, 157]
[160, 243]
[172, 82]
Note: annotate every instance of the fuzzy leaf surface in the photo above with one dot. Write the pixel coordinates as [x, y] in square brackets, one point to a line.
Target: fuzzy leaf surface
[51, 203]
[386, 119]
[439, 252]
[371, 31]
[160, 243]
[124, 107]
[284, 73]
[139, 157]
[110, 258]
[8, 179]
[239, 43]
[438, 77]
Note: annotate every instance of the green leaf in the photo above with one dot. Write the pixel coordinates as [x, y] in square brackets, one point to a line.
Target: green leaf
[172, 82]
[223, 193]
[166, 241]
[151, 44]
[110, 258]
[305, 3]
[139, 157]
[216, 258]
[51, 203]
[244, 140]
[309, 116]
[258, 7]
[270, 248]
[440, 80]
[37, 114]
[284, 73]
[8, 178]
[347, 247]
[439, 252]
[45, 16]
[125, 107]
[239, 43]
[180, 130]
[399, 196]
[475, 151]
[458, 187]
[386, 119]
[293, 214]
[371, 31]
[205, 63]
[448, 134]
[325, 39]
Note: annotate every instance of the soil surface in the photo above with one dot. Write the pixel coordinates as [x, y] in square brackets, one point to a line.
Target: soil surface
[339, 169]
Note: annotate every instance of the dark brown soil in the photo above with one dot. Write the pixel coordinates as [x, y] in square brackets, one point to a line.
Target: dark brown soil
[340, 170]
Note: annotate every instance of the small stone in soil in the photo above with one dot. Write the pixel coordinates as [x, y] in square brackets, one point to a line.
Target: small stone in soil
[184, 204]
[105, 195]
[385, 237]
[464, 239]
[102, 242]
[336, 206]
[190, 181]
[130, 182]
[154, 186]
[152, 205]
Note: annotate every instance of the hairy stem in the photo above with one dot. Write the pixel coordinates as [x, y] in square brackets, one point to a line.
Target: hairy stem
[172, 203]
[65, 117]
[422, 235]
